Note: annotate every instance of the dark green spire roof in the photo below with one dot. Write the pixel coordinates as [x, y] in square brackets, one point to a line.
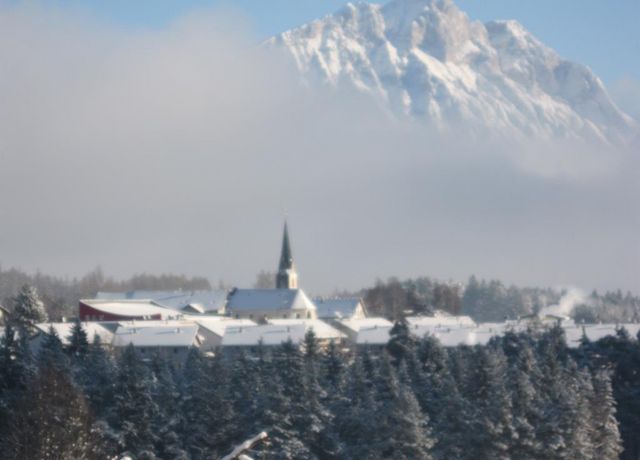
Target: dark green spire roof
[286, 256]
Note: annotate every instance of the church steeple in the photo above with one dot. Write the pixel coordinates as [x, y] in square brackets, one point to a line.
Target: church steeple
[287, 278]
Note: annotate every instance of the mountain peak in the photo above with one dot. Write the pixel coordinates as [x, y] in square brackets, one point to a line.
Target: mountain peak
[427, 60]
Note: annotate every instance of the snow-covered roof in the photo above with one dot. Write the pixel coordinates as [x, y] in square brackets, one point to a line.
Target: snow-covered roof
[372, 331]
[344, 307]
[422, 325]
[269, 299]
[132, 308]
[203, 301]
[91, 328]
[268, 334]
[155, 323]
[365, 323]
[322, 330]
[184, 335]
[220, 327]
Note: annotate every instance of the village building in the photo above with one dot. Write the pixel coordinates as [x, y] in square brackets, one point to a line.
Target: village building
[205, 302]
[266, 335]
[169, 341]
[323, 331]
[285, 302]
[420, 326]
[213, 332]
[123, 310]
[264, 304]
[340, 308]
[366, 331]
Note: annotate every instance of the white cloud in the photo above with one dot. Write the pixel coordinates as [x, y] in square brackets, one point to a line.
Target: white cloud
[180, 149]
[626, 93]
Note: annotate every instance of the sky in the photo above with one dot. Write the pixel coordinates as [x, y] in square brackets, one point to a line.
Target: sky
[151, 137]
[603, 35]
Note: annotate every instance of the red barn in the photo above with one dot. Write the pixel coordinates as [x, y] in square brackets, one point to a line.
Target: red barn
[123, 310]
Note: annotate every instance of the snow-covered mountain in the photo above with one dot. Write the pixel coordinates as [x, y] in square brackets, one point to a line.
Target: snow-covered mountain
[425, 59]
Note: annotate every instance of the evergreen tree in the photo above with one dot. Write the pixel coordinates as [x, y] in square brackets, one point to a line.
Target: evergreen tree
[12, 372]
[50, 420]
[209, 417]
[169, 415]
[104, 441]
[311, 349]
[455, 415]
[400, 430]
[195, 404]
[333, 367]
[493, 431]
[564, 428]
[78, 342]
[28, 309]
[401, 342]
[316, 419]
[287, 396]
[471, 299]
[134, 408]
[16, 370]
[223, 430]
[605, 436]
[246, 391]
[96, 375]
[51, 353]
[525, 402]
[355, 413]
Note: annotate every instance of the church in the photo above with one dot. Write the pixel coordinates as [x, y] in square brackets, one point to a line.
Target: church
[286, 301]
[286, 305]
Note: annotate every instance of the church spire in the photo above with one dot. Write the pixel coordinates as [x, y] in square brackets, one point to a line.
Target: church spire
[287, 278]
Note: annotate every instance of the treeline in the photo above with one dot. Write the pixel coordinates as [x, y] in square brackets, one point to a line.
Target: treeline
[610, 307]
[521, 397]
[484, 301]
[60, 295]
[490, 301]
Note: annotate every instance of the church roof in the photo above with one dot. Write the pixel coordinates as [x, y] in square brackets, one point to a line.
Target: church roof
[269, 299]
